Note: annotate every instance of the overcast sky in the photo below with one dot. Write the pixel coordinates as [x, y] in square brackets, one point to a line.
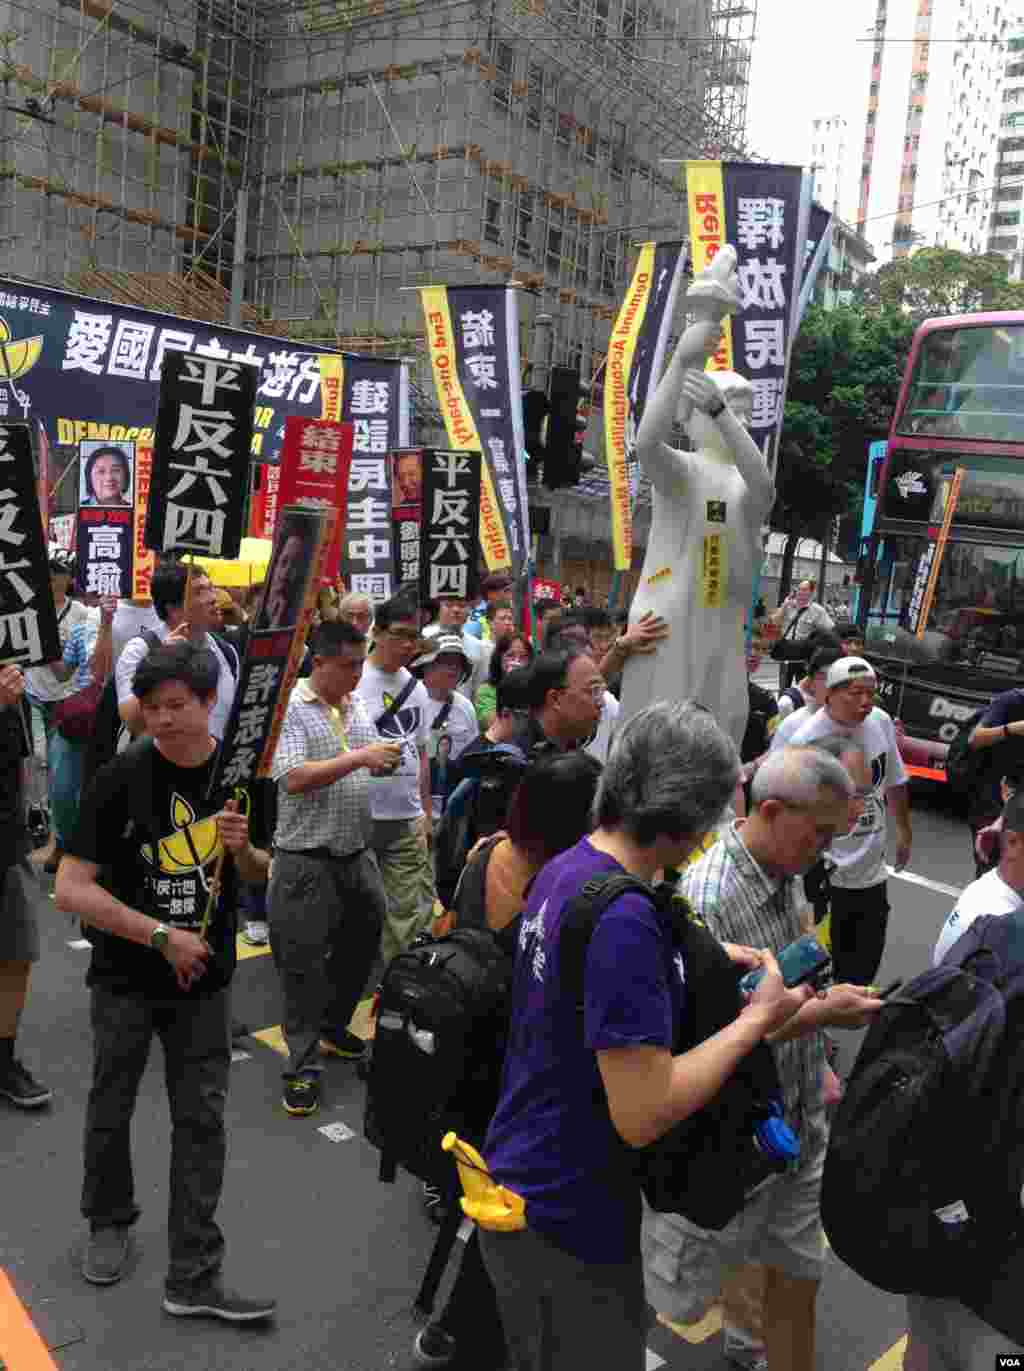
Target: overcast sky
[807, 61]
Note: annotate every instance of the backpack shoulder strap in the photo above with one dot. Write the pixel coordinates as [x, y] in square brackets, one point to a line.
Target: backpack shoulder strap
[579, 920]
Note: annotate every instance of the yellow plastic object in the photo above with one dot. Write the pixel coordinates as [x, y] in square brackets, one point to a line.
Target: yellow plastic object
[247, 569]
[486, 1203]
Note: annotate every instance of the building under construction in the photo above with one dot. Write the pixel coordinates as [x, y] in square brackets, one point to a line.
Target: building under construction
[310, 163]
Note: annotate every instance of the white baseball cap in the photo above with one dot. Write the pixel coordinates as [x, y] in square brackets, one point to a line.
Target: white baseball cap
[848, 669]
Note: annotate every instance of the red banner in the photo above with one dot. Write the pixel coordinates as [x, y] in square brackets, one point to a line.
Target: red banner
[144, 561]
[264, 503]
[315, 460]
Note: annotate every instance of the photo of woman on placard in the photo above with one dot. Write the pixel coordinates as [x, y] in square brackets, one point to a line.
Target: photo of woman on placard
[407, 484]
[287, 575]
[106, 471]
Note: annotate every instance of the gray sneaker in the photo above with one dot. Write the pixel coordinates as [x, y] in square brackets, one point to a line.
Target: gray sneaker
[211, 1299]
[106, 1255]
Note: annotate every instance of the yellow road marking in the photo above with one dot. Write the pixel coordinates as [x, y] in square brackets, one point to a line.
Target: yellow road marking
[274, 1038]
[245, 951]
[891, 1360]
[709, 1325]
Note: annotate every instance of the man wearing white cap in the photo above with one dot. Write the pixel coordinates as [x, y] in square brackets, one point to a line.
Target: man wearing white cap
[859, 901]
[451, 717]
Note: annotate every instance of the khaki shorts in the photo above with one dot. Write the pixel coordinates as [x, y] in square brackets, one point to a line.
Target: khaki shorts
[685, 1267]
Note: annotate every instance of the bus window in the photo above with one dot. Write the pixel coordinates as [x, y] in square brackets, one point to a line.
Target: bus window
[967, 383]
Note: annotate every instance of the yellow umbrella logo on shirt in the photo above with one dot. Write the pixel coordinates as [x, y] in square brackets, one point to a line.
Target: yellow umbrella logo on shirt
[191, 847]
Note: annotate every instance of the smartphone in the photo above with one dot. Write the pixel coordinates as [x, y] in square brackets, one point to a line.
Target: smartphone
[802, 961]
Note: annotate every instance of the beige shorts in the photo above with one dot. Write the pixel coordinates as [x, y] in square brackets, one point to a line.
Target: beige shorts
[685, 1266]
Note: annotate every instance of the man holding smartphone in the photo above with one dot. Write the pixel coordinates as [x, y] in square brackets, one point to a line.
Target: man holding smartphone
[744, 889]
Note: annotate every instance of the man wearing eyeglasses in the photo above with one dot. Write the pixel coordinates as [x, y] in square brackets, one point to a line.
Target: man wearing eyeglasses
[400, 804]
[566, 693]
[858, 894]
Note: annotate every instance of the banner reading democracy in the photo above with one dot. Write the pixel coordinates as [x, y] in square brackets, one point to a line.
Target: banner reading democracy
[636, 351]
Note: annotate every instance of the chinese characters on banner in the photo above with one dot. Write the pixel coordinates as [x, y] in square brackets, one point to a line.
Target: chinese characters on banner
[407, 512]
[90, 369]
[473, 341]
[144, 560]
[451, 526]
[636, 350]
[105, 529]
[274, 649]
[200, 478]
[367, 563]
[314, 473]
[28, 620]
[756, 208]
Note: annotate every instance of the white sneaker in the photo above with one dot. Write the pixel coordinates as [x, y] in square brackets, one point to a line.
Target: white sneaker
[256, 933]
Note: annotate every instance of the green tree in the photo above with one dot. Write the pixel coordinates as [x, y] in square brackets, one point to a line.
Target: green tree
[937, 281]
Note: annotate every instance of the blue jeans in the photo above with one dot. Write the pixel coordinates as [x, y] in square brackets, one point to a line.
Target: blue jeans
[67, 767]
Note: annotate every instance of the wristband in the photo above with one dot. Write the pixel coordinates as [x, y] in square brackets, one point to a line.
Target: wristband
[714, 413]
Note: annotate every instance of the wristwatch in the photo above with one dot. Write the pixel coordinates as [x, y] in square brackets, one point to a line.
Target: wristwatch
[160, 937]
[714, 413]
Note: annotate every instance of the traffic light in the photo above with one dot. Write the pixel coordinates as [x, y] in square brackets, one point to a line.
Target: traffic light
[564, 441]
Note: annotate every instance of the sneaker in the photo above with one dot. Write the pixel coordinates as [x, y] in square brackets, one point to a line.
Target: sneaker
[106, 1255]
[20, 1087]
[256, 933]
[216, 1302]
[745, 1356]
[345, 1045]
[302, 1093]
[433, 1346]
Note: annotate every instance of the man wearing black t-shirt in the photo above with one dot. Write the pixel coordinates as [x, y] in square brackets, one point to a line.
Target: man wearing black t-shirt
[998, 740]
[139, 872]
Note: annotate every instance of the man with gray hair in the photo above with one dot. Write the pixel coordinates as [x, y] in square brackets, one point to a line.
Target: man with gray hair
[743, 889]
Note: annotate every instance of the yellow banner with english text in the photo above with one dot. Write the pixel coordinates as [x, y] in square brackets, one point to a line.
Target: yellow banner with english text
[332, 373]
[621, 347]
[705, 200]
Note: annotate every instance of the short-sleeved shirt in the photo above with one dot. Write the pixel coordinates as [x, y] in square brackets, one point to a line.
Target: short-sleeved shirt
[601, 742]
[40, 682]
[79, 649]
[814, 618]
[788, 705]
[460, 728]
[166, 874]
[985, 802]
[989, 894]
[552, 1140]
[760, 722]
[336, 816]
[137, 648]
[792, 724]
[397, 796]
[740, 903]
[859, 858]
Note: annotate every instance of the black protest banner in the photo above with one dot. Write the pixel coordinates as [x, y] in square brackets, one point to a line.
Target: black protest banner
[451, 524]
[200, 480]
[274, 649]
[366, 552]
[762, 221]
[28, 619]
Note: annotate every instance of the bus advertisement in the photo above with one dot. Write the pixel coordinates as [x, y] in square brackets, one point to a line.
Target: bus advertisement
[961, 405]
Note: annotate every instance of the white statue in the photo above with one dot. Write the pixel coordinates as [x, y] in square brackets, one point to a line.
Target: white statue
[708, 507]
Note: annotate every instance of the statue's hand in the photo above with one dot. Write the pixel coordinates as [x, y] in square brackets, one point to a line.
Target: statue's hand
[701, 391]
[715, 293]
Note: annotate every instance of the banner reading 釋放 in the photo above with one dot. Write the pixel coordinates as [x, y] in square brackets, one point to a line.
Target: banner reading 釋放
[105, 530]
[200, 479]
[757, 208]
[473, 341]
[451, 527]
[636, 351]
[314, 473]
[28, 619]
[274, 649]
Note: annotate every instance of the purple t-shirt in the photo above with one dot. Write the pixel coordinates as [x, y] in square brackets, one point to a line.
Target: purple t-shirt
[552, 1140]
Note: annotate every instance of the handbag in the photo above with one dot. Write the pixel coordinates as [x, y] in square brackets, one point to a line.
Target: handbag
[75, 717]
[787, 649]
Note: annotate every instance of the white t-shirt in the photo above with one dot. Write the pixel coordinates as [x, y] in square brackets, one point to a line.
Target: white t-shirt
[397, 796]
[792, 723]
[460, 729]
[40, 682]
[136, 649]
[787, 706]
[859, 858]
[602, 739]
[989, 894]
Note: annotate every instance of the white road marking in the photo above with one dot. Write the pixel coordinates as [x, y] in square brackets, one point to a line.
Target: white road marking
[653, 1361]
[337, 1132]
[940, 887]
[80, 944]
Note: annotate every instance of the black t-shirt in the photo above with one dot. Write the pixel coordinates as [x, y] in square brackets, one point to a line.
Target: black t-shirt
[137, 790]
[763, 708]
[13, 750]
[985, 803]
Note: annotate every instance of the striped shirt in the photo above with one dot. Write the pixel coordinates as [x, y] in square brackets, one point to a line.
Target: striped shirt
[336, 816]
[741, 903]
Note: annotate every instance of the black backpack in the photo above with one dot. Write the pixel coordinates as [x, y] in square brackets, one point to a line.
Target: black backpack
[442, 1032]
[476, 808]
[922, 1189]
[964, 764]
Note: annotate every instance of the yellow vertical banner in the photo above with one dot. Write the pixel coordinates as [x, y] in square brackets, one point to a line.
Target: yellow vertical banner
[952, 497]
[621, 347]
[332, 374]
[458, 420]
[705, 202]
